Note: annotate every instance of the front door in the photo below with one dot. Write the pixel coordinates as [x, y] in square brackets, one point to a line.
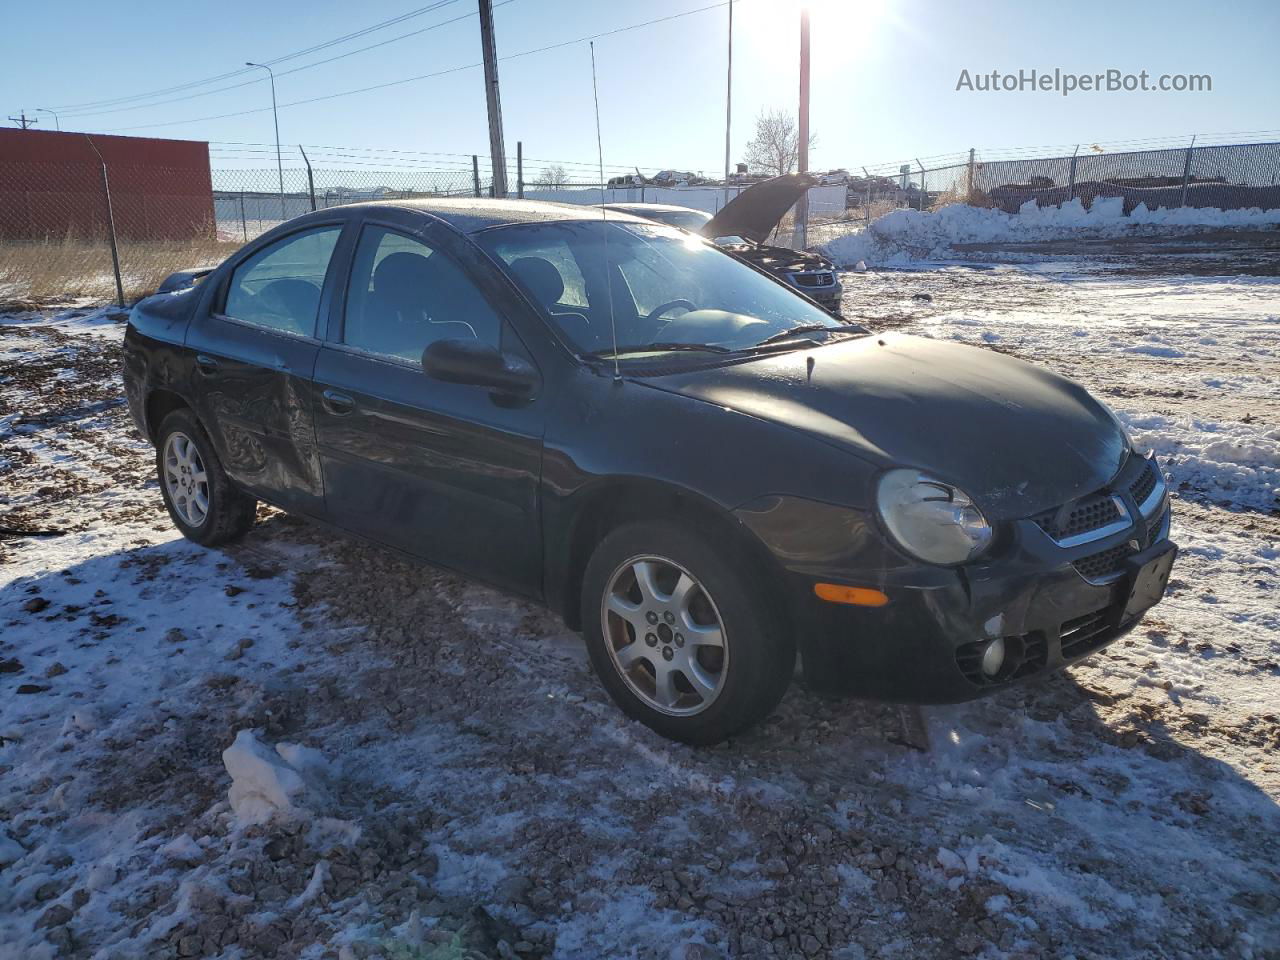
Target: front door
[254, 352]
[444, 471]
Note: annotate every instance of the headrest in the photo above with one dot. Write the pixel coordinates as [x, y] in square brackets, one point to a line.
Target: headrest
[541, 278]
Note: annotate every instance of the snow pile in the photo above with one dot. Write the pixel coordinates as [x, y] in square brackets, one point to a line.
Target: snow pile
[1224, 463]
[265, 784]
[904, 235]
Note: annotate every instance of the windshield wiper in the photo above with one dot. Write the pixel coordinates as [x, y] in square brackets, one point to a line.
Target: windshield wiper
[800, 330]
[659, 347]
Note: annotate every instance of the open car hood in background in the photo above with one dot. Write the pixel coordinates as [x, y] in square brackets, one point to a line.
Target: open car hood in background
[754, 213]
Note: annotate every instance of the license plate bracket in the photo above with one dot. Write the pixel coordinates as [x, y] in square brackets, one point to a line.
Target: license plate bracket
[1147, 576]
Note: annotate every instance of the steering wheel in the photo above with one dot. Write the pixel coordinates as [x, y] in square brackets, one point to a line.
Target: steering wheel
[662, 308]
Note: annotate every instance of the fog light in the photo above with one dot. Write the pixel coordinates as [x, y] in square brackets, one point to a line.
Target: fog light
[993, 657]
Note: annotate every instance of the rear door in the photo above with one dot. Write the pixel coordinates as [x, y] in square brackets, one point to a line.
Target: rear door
[254, 354]
[445, 471]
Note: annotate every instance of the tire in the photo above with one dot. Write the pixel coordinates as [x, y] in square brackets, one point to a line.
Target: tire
[182, 448]
[707, 692]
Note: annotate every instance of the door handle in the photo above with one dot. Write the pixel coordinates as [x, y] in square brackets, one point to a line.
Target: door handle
[339, 404]
[206, 364]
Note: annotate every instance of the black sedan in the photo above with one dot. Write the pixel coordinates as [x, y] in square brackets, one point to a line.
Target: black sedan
[699, 469]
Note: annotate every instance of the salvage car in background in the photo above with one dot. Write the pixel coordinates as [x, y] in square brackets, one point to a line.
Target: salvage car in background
[744, 224]
[696, 467]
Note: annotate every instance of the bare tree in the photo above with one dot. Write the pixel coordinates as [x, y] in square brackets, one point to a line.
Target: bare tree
[552, 177]
[775, 148]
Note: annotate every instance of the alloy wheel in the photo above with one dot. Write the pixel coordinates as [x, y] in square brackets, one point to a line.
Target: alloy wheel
[185, 479]
[664, 635]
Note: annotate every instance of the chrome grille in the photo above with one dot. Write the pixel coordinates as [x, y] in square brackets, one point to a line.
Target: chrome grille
[814, 279]
[1086, 515]
[1145, 485]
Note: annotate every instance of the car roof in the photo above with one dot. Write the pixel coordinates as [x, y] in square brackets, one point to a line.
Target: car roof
[642, 208]
[472, 214]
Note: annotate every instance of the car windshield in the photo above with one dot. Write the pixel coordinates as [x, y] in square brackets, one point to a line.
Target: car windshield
[691, 220]
[672, 293]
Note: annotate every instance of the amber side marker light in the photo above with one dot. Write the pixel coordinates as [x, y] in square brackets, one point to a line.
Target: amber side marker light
[858, 596]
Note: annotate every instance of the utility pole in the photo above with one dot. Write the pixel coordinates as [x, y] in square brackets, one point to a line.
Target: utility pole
[23, 120]
[498, 158]
[728, 104]
[802, 208]
[275, 116]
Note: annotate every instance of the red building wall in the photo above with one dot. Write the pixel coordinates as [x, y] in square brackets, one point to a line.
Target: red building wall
[51, 187]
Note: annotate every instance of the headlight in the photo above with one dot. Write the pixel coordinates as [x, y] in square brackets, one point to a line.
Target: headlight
[930, 519]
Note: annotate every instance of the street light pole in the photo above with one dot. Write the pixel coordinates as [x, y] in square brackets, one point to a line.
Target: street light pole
[802, 208]
[275, 116]
[728, 104]
[57, 123]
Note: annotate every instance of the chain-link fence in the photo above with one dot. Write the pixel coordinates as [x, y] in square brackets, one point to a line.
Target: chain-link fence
[94, 230]
[100, 229]
[1232, 177]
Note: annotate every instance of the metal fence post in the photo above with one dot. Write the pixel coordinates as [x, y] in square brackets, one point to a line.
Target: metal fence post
[922, 184]
[1071, 177]
[311, 182]
[969, 193]
[1186, 171]
[111, 225]
[475, 173]
[244, 223]
[520, 169]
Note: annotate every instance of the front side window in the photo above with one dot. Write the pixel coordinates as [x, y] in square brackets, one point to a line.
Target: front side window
[665, 291]
[279, 286]
[405, 295]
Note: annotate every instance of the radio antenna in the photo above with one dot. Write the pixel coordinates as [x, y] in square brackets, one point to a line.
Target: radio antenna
[604, 214]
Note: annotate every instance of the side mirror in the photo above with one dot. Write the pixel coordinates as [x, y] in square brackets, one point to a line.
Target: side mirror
[479, 365]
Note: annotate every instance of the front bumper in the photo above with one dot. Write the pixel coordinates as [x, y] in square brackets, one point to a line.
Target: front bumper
[1050, 604]
[926, 645]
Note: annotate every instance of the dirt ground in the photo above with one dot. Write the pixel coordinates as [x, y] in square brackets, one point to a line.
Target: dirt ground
[481, 797]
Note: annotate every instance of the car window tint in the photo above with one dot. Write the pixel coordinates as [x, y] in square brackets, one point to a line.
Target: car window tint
[279, 286]
[646, 283]
[645, 272]
[404, 295]
[558, 254]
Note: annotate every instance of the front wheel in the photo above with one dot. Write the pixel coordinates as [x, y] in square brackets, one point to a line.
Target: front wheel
[202, 502]
[684, 640]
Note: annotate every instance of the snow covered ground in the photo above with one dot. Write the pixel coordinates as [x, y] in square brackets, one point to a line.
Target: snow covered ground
[302, 746]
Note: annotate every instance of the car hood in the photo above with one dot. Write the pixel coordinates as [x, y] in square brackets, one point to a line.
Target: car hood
[1014, 436]
[756, 211]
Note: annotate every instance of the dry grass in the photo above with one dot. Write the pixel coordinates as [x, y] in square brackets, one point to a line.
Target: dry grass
[41, 272]
[949, 198]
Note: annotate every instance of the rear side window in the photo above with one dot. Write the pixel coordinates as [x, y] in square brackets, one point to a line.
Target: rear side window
[279, 286]
[405, 295]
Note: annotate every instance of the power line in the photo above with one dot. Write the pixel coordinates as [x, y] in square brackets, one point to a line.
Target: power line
[299, 69]
[330, 150]
[429, 8]
[437, 73]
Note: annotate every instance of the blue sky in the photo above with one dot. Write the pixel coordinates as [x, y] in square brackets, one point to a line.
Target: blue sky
[884, 74]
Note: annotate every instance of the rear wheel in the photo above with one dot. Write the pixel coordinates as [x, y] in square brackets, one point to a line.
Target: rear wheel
[682, 639]
[200, 498]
